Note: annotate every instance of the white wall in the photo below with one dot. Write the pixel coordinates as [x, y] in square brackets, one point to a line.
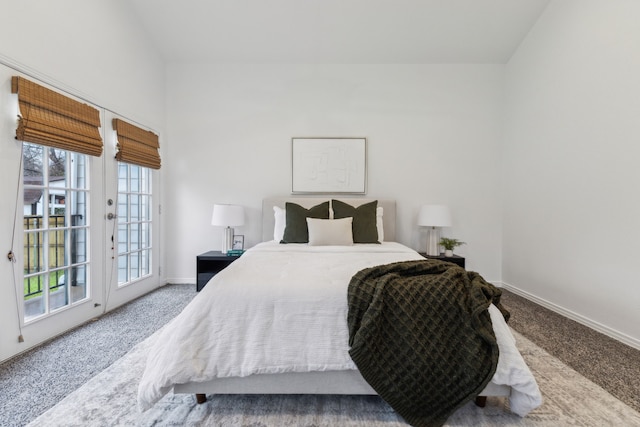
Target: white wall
[572, 210]
[89, 49]
[94, 47]
[433, 134]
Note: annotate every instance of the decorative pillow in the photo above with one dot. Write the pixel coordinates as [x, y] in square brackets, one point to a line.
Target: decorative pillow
[380, 223]
[324, 232]
[296, 230]
[364, 220]
[280, 216]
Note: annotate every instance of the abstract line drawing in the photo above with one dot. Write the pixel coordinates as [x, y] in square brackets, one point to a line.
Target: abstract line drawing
[328, 165]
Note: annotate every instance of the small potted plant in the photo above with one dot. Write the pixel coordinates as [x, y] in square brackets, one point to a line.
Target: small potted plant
[449, 245]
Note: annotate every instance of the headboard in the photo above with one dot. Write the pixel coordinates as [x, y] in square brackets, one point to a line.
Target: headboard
[268, 221]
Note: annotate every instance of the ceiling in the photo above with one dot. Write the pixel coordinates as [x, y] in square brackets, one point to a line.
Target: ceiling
[338, 31]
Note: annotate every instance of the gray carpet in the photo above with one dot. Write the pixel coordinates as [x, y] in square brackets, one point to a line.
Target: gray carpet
[109, 399]
[36, 381]
[611, 364]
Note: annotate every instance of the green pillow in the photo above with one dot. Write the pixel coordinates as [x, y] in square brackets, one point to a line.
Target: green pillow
[365, 229]
[295, 230]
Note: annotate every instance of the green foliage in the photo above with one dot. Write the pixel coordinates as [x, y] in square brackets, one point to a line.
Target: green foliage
[449, 244]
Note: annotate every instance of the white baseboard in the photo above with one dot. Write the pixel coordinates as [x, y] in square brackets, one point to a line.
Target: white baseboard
[617, 335]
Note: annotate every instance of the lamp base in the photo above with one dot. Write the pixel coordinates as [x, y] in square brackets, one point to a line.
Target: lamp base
[227, 240]
[433, 241]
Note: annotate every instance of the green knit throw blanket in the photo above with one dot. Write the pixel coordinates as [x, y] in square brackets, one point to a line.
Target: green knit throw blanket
[421, 336]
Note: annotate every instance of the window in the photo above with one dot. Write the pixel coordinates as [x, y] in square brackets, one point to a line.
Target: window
[56, 229]
[134, 222]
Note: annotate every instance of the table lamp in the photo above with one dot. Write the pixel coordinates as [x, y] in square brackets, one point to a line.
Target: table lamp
[434, 216]
[227, 216]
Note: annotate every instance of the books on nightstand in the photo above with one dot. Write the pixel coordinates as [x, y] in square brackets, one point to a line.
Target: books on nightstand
[235, 252]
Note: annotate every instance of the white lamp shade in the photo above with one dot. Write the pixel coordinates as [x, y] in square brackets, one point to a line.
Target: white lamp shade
[227, 215]
[434, 216]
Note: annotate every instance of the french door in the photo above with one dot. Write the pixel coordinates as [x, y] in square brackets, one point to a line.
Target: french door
[60, 272]
[90, 233]
[132, 226]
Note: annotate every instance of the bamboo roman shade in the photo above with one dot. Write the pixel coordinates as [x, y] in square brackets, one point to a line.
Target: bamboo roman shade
[50, 118]
[137, 146]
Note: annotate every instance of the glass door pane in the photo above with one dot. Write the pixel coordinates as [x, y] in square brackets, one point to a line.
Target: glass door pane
[134, 223]
[56, 229]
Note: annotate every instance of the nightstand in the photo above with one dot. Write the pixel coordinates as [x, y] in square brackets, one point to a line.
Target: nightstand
[456, 259]
[210, 263]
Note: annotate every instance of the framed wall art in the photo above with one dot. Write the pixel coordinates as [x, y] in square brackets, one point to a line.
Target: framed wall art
[328, 165]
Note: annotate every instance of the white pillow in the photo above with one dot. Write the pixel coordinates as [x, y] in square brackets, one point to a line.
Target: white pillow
[325, 232]
[280, 216]
[379, 224]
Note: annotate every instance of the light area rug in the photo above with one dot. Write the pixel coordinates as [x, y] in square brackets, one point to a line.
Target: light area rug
[109, 399]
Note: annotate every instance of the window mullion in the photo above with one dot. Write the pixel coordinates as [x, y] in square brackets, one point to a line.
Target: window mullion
[46, 201]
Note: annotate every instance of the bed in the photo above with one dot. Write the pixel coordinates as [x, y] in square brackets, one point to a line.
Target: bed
[273, 322]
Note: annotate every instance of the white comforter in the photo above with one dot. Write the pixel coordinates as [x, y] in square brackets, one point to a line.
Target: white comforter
[283, 308]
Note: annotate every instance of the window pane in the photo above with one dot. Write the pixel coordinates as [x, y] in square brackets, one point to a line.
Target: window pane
[57, 278]
[123, 269]
[135, 179]
[78, 243]
[32, 163]
[77, 206]
[78, 283]
[57, 167]
[57, 289]
[33, 252]
[57, 221]
[134, 207]
[57, 203]
[145, 181]
[134, 260]
[145, 212]
[33, 222]
[146, 262]
[78, 171]
[145, 233]
[57, 252]
[122, 209]
[123, 239]
[123, 177]
[135, 237]
[148, 213]
[33, 301]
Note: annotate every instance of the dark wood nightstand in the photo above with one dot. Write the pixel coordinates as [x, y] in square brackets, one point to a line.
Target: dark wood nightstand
[456, 259]
[209, 264]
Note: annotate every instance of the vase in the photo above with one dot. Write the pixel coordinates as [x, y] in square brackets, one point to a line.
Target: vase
[448, 252]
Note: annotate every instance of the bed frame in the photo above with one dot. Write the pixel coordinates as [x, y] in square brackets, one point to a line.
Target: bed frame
[326, 382]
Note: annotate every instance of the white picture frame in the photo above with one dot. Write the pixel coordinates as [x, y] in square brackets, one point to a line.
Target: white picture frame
[238, 242]
[328, 165]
